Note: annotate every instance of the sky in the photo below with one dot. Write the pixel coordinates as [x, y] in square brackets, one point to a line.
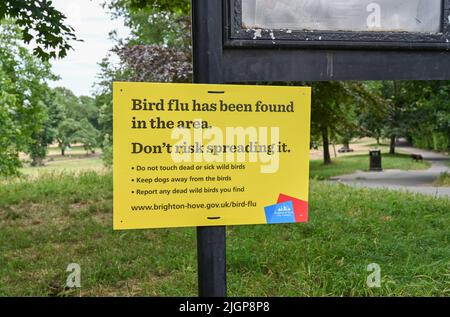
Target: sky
[92, 23]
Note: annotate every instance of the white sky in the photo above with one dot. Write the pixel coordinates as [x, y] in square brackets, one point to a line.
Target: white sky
[92, 23]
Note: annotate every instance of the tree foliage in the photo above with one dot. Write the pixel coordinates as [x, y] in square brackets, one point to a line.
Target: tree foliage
[428, 118]
[40, 22]
[335, 106]
[124, 7]
[75, 118]
[23, 93]
[87, 135]
[158, 50]
[66, 133]
[156, 63]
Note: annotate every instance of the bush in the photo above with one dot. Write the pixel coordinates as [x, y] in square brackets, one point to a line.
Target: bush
[441, 142]
[437, 141]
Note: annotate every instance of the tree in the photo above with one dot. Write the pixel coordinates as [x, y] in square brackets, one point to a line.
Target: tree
[103, 101]
[9, 144]
[106, 127]
[76, 119]
[88, 110]
[22, 100]
[66, 133]
[161, 52]
[325, 102]
[329, 103]
[87, 135]
[371, 118]
[125, 7]
[347, 128]
[398, 101]
[156, 63]
[40, 139]
[39, 21]
[37, 93]
[335, 107]
[429, 115]
[371, 125]
[159, 49]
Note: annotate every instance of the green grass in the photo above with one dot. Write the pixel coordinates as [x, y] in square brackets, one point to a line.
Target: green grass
[74, 150]
[350, 164]
[46, 224]
[75, 160]
[375, 145]
[70, 165]
[443, 180]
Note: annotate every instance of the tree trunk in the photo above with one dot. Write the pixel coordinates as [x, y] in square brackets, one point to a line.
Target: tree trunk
[62, 151]
[326, 147]
[346, 145]
[378, 140]
[392, 145]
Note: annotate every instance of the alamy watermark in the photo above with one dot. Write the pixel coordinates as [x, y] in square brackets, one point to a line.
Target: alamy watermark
[231, 144]
[74, 278]
[374, 278]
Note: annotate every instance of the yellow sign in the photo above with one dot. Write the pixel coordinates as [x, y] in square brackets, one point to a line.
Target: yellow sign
[210, 155]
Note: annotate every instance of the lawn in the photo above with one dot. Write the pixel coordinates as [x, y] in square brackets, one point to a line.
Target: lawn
[75, 160]
[69, 164]
[74, 150]
[443, 180]
[350, 164]
[49, 222]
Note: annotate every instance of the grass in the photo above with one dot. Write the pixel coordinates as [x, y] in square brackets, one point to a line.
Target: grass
[350, 164]
[443, 180]
[74, 150]
[69, 164]
[76, 160]
[375, 145]
[58, 219]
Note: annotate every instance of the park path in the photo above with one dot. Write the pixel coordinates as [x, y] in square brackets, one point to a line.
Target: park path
[411, 181]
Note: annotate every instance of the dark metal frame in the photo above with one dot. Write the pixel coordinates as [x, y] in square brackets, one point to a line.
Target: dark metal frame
[237, 36]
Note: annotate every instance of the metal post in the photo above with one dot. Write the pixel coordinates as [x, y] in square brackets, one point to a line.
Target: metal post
[207, 55]
[211, 252]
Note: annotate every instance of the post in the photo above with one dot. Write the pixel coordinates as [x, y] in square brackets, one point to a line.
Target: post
[206, 41]
[211, 258]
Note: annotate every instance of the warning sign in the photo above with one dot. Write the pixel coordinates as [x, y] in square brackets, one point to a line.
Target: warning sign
[210, 155]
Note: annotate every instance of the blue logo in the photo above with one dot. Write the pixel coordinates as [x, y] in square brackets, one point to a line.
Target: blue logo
[280, 213]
